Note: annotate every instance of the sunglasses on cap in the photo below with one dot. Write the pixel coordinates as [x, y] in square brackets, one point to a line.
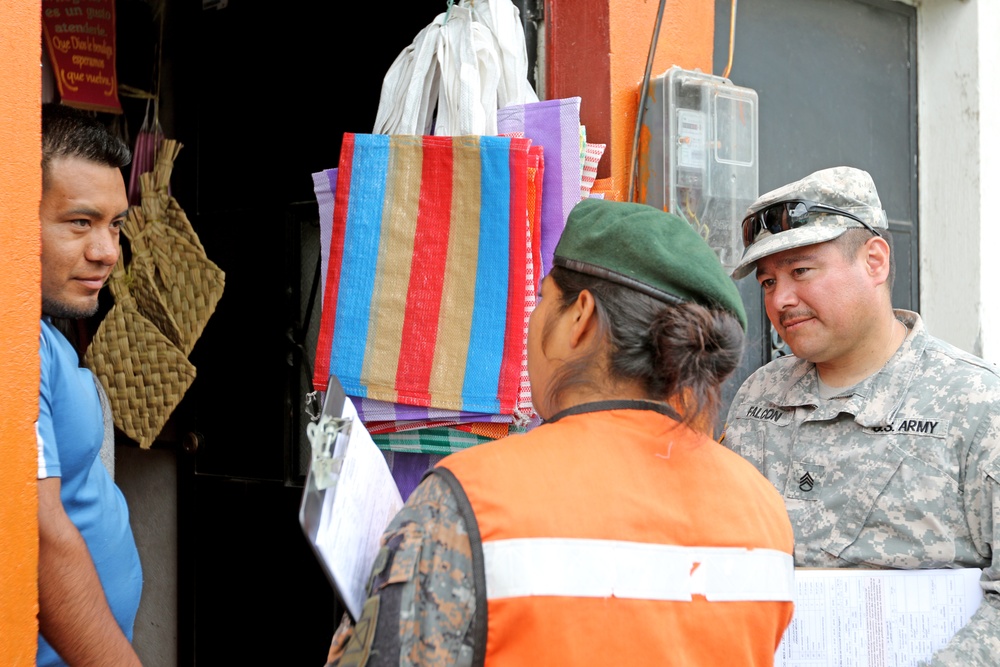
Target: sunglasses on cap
[790, 214]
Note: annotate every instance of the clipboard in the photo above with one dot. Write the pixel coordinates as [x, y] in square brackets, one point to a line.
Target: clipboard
[348, 500]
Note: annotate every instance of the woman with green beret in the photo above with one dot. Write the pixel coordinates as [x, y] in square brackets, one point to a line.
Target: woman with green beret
[617, 531]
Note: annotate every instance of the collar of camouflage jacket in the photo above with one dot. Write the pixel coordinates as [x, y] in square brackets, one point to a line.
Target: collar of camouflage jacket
[876, 399]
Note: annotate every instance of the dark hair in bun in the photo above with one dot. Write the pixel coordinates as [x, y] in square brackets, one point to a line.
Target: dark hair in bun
[681, 354]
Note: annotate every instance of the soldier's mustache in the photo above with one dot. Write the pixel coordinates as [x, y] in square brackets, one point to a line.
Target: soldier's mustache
[795, 316]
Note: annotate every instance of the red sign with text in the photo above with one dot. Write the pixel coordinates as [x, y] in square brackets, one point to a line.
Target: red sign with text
[80, 36]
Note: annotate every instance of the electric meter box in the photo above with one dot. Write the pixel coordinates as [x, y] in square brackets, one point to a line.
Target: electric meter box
[700, 160]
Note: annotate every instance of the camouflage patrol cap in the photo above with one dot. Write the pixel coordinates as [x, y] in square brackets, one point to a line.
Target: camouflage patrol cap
[845, 188]
[647, 250]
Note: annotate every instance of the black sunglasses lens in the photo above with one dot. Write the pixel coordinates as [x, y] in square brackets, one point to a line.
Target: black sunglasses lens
[751, 224]
[797, 210]
[773, 219]
[784, 216]
[787, 215]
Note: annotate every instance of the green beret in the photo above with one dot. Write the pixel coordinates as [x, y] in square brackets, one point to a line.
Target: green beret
[648, 250]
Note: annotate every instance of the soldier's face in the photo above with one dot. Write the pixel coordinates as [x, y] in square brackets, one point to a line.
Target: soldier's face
[821, 303]
[82, 209]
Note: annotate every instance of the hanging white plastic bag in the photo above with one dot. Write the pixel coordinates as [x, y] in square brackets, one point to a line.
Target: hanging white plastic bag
[469, 62]
[503, 19]
[410, 87]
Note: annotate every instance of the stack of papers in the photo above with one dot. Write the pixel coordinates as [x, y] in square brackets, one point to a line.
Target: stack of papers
[864, 618]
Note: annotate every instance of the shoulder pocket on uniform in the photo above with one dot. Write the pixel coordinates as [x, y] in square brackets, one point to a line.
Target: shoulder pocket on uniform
[396, 562]
[359, 647]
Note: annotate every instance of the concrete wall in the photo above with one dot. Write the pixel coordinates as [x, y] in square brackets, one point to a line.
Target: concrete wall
[989, 175]
[20, 302]
[959, 90]
[148, 480]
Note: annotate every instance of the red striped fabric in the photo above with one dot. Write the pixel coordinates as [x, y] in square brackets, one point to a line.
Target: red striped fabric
[321, 372]
[514, 336]
[429, 245]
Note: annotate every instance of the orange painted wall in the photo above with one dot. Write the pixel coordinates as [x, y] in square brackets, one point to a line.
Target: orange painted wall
[597, 49]
[20, 274]
[685, 39]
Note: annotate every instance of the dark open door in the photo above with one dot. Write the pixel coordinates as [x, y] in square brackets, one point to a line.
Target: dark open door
[836, 82]
[260, 95]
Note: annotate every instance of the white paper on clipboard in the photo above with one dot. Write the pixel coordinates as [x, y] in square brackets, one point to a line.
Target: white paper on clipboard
[867, 618]
[349, 498]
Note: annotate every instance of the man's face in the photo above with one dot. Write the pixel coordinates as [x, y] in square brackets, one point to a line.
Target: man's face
[82, 209]
[820, 302]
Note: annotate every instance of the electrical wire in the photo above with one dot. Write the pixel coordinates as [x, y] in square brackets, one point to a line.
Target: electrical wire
[732, 39]
[642, 101]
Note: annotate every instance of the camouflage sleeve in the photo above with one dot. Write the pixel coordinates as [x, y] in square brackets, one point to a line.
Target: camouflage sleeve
[978, 643]
[422, 601]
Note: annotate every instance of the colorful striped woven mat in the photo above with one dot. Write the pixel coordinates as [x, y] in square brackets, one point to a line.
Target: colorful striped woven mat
[426, 286]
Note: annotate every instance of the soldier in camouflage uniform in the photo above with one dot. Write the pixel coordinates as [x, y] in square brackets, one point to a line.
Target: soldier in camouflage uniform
[884, 440]
[600, 536]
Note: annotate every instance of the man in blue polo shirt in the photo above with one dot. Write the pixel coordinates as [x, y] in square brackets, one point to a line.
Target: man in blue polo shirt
[89, 576]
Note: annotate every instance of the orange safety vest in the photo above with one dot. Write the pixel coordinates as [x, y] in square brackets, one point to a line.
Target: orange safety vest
[613, 536]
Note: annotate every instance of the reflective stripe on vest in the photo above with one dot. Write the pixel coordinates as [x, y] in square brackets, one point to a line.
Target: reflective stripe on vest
[609, 568]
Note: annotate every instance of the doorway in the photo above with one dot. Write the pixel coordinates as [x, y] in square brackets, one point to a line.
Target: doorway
[837, 85]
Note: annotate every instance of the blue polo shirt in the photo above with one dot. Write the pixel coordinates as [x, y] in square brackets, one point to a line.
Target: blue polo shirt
[70, 434]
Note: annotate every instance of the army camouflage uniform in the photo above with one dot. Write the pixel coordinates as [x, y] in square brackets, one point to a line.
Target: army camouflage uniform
[900, 471]
[427, 556]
